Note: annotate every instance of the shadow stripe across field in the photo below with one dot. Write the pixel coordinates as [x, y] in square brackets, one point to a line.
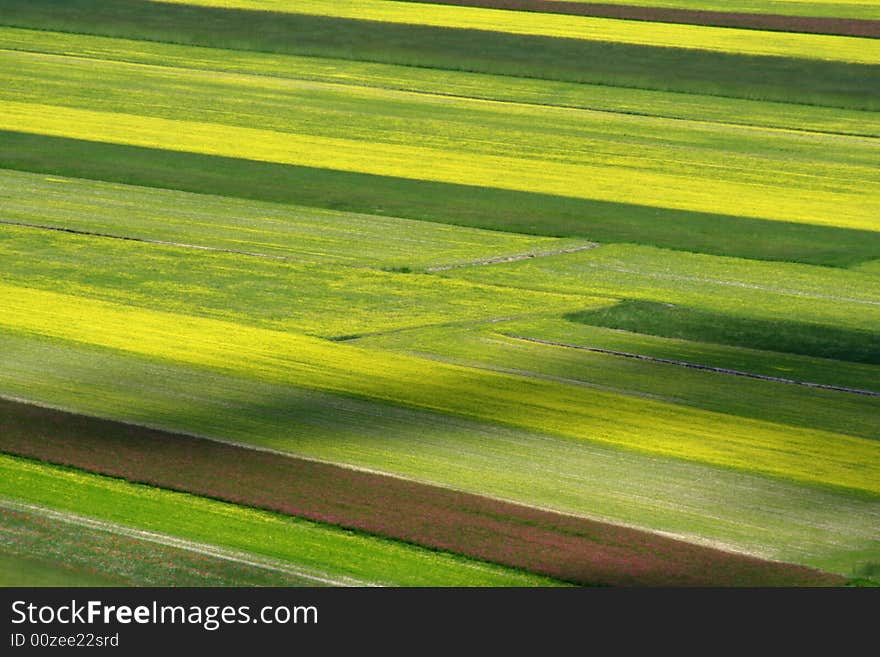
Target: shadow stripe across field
[566, 547]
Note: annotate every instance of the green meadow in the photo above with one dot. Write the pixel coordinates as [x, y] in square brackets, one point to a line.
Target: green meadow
[490, 250]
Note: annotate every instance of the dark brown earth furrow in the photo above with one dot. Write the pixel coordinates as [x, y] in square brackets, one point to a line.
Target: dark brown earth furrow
[857, 27]
[566, 547]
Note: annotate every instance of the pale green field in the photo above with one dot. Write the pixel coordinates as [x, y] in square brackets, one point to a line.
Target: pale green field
[488, 347]
[39, 547]
[790, 366]
[330, 552]
[747, 42]
[809, 456]
[777, 519]
[766, 290]
[173, 57]
[320, 298]
[842, 195]
[221, 222]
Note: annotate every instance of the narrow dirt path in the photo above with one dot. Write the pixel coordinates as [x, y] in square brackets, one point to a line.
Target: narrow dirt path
[696, 366]
[253, 561]
[514, 258]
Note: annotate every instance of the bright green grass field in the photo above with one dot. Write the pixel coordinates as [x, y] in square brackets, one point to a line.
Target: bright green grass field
[773, 518]
[39, 547]
[868, 9]
[488, 347]
[749, 42]
[811, 456]
[758, 290]
[333, 552]
[789, 366]
[799, 77]
[324, 299]
[281, 231]
[739, 111]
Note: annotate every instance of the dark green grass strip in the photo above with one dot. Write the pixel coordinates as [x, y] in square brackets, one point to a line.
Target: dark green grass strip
[564, 547]
[463, 205]
[573, 60]
[684, 323]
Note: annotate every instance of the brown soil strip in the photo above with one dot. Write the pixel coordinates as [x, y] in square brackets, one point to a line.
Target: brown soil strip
[569, 548]
[696, 366]
[858, 27]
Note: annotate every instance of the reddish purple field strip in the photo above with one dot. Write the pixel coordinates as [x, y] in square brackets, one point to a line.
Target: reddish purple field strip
[774, 22]
[565, 547]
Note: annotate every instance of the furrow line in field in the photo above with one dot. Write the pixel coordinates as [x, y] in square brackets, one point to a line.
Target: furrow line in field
[146, 240]
[513, 258]
[179, 543]
[696, 366]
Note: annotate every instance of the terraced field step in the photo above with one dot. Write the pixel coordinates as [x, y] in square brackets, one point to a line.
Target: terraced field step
[570, 548]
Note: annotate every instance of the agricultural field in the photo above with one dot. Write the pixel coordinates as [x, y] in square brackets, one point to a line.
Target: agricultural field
[500, 293]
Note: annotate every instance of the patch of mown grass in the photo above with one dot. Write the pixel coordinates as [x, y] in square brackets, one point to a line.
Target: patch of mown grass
[687, 323]
[459, 204]
[618, 64]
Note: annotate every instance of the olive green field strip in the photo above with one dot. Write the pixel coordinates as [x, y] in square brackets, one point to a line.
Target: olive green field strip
[694, 59]
[810, 456]
[335, 301]
[773, 175]
[251, 228]
[321, 550]
[817, 526]
[704, 13]
[435, 81]
[41, 547]
[563, 547]
[494, 347]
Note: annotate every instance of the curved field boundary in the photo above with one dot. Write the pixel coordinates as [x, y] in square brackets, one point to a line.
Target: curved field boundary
[858, 27]
[570, 548]
[696, 366]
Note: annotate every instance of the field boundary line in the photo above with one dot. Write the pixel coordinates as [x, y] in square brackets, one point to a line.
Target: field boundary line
[167, 540]
[489, 99]
[696, 366]
[514, 258]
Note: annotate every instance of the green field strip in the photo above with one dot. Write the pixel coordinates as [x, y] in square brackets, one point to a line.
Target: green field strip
[554, 545]
[839, 298]
[805, 81]
[803, 455]
[837, 202]
[871, 267]
[335, 552]
[489, 347]
[536, 214]
[324, 299]
[75, 47]
[64, 549]
[220, 222]
[438, 121]
[694, 324]
[867, 9]
[771, 518]
[772, 364]
[746, 42]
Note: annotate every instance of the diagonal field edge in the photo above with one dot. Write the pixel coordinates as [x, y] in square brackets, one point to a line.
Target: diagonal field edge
[565, 547]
